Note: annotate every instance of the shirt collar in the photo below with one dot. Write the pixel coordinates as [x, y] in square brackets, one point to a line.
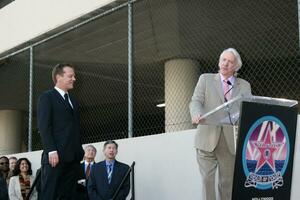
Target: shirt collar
[87, 163]
[231, 79]
[60, 91]
[109, 162]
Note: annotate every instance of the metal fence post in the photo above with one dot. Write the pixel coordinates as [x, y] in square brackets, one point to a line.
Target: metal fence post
[30, 99]
[130, 66]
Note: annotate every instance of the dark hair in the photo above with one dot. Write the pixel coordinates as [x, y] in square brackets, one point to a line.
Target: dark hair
[110, 142]
[13, 157]
[7, 161]
[17, 170]
[4, 158]
[59, 70]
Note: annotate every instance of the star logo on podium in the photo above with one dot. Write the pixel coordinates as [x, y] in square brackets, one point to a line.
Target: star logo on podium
[267, 149]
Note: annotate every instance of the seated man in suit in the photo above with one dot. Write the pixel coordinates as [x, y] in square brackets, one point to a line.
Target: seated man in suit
[106, 176]
[84, 172]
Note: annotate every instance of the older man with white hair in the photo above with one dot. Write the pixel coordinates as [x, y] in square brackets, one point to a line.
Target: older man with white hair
[90, 152]
[215, 144]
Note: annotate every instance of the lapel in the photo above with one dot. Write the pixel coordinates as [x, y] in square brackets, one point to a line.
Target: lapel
[82, 166]
[18, 187]
[61, 100]
[236, 88]
[218, 86]
[115, 173]
[104, 172]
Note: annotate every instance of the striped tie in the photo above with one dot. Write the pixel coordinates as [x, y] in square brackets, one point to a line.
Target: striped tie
[109, 172]
[227, 95]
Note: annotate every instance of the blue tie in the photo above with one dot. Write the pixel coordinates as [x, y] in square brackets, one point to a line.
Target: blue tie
[109, 172]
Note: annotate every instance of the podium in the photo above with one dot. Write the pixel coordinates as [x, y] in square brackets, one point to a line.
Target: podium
[264, 132]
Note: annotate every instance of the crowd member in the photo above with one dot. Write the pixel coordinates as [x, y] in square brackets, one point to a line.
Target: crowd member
[84, 172]
[21, 181]
[215, 144]
[12, 164]
[4, 168]
[58, 123]
[107, 175]
[3, 189]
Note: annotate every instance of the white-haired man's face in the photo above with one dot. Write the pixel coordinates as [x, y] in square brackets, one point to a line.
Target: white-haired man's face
[12, 164]
[89, 153]
[227, 64]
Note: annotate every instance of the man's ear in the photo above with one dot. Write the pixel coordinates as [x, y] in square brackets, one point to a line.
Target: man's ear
[56, 78]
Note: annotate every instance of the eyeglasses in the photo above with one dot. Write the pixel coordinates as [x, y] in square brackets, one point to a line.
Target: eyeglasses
[4, 163]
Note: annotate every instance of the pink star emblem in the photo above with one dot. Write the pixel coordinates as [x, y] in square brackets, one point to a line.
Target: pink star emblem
[266, 149]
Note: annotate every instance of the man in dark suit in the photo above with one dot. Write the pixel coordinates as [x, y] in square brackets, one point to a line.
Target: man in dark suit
[58, 123]
[107, 175]
[3, 189]
[4, 168]
[84, 172]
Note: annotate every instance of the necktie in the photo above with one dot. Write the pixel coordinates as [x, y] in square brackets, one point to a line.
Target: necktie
[226, 90]
[67, 100]
[109, 172]
[87, 171]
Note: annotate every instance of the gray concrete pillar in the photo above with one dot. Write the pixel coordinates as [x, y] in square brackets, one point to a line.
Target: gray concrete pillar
[181, 76]
[11, 129]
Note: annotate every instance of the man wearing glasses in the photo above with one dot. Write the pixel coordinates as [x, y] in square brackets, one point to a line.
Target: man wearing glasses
[4, 167]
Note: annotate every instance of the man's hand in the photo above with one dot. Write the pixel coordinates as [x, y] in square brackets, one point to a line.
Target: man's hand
[197, 119]
[53, 159]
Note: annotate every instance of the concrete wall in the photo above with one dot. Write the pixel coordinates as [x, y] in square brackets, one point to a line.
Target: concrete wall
[11, 129]
[166, 167]
[23, 20]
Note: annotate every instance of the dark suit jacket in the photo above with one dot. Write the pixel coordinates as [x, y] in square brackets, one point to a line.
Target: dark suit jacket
[3, 189]
[59, 127]
[81, 190]
[98, 187]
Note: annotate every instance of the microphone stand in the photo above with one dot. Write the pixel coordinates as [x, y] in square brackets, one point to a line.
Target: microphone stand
[235, 128]
[225, 99]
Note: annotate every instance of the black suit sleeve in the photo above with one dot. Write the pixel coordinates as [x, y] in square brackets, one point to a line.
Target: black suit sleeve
[45, 122]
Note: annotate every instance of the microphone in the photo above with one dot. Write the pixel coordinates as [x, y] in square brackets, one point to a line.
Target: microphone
[229, 83]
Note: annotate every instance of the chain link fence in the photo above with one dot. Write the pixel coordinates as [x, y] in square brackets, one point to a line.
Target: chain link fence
[164, 31]
[14, 83]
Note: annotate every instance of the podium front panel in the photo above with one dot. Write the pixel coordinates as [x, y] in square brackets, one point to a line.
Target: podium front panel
[265, 152]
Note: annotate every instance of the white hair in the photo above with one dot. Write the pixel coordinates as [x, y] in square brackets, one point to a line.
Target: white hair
[90, 146]
[237, 56]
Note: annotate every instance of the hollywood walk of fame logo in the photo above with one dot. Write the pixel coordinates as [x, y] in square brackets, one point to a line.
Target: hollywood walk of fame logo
[266, 154]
